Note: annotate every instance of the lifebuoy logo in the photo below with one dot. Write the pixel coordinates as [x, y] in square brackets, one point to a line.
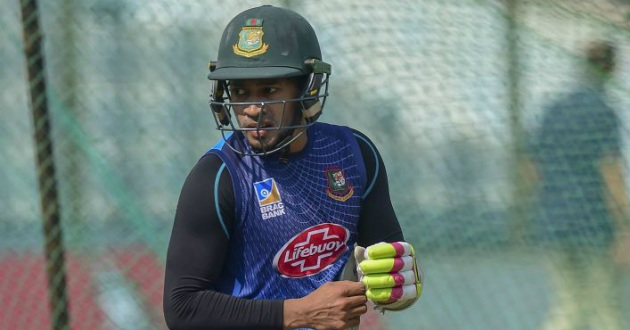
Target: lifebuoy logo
[312, 250]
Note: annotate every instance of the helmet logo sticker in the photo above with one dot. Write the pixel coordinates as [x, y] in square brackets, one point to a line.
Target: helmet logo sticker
[250, 39]
[339, 188]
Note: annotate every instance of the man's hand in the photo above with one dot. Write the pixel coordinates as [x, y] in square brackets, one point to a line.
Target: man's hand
[334, 305]
[390, 274]
[621, 250]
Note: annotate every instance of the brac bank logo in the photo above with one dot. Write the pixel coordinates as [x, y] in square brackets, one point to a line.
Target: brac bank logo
[269, 199]
[312, 250]
[267, 192]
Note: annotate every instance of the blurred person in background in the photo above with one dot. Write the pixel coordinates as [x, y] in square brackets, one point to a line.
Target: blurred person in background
[582, 218]
[268, 219]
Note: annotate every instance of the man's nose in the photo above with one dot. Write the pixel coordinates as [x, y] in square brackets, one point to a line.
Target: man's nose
[253, 110]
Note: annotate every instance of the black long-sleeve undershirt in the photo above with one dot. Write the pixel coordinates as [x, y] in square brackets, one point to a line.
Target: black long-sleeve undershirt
[199, 244]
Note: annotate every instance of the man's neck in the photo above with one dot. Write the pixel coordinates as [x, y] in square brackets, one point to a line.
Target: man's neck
[300, 143]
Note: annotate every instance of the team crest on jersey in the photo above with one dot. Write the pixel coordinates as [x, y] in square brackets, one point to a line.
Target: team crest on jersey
[250, 39]
[338, 186]
[269, 199]
[312, 251]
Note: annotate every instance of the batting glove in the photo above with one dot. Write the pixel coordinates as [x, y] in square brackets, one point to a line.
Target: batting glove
[390, 274]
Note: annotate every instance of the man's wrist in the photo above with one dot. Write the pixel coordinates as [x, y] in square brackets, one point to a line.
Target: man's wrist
[292, 315]
[623, 233]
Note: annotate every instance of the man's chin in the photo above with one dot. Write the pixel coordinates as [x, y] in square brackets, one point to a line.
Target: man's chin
[265, 146]
[268, 142]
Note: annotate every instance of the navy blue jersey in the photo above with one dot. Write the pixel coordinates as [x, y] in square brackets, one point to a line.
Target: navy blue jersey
[576, 133]
[296, 220]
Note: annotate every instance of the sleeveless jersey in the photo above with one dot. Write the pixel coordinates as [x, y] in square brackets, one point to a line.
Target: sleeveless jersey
[296, 220]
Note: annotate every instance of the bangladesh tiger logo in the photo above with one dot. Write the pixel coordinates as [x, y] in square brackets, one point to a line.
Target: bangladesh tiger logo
[250, 39]
[338, 186]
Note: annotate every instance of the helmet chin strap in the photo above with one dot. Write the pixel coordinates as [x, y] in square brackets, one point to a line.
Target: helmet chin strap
[305, 115]
[286, 139]
[289, 138]
[308, 115]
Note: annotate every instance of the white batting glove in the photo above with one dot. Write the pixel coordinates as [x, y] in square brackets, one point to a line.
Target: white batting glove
[390, 274]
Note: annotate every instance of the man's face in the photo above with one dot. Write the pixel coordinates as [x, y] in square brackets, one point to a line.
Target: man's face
[262, 119]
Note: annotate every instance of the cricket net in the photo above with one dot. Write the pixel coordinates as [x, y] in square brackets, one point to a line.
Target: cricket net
[453, 93]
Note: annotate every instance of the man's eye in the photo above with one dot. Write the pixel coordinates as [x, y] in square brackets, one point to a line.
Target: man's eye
[238, 91]
[271, 90]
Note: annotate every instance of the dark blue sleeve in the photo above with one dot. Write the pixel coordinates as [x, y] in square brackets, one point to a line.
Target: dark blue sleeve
[378, 221]
[610, 134]
[198, 245]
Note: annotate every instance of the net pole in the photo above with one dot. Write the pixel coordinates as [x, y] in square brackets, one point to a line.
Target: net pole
[519, 193]
[48, 191]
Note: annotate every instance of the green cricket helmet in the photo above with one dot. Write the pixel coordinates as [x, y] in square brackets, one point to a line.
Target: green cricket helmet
[264, 43]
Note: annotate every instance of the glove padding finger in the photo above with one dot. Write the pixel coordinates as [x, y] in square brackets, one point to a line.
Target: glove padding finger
[391, 295]
[386, 265]
[388, 250]
[377, 281]
[390, 274]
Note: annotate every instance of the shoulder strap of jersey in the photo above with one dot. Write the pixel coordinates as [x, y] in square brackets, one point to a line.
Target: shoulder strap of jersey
[229, 164]
[351, 137]
[373, 155]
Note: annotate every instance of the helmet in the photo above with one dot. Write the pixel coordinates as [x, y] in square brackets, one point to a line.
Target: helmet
[263, 43]
[600, 55]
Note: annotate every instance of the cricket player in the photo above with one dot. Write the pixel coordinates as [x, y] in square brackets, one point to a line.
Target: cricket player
[287, 222]
[582, 218]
